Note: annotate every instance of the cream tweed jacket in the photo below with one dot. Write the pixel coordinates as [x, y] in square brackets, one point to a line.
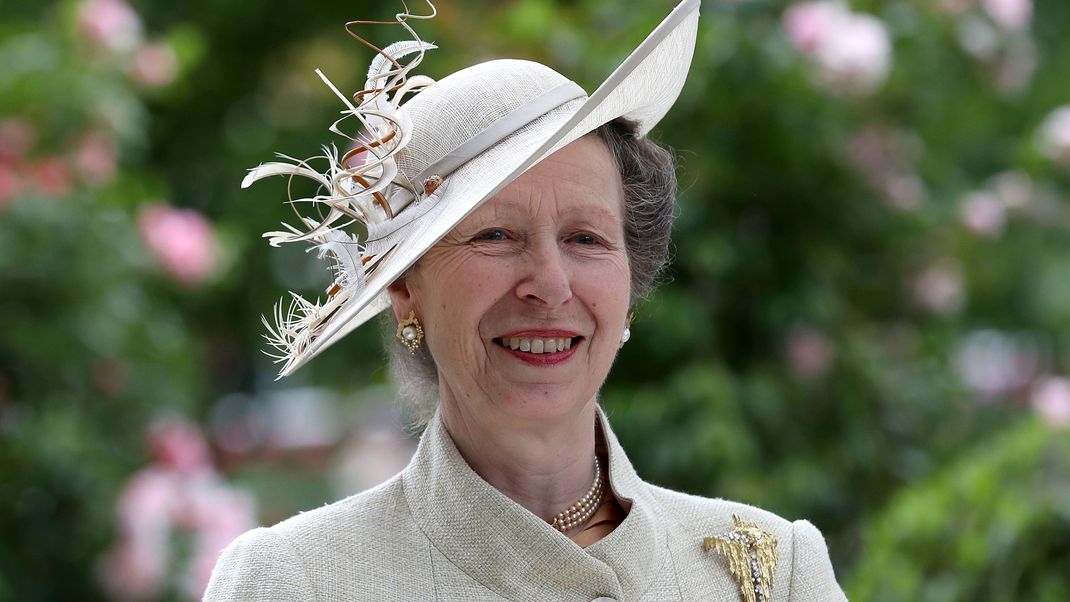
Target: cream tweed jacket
[437, 531]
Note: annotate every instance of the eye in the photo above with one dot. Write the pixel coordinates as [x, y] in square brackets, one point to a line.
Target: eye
[492, 234]
[584, 238]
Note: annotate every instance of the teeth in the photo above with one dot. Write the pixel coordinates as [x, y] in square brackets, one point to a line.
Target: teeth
[538, 345]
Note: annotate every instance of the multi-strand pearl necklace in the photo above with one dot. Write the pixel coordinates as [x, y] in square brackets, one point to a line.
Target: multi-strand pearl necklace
[582, 511]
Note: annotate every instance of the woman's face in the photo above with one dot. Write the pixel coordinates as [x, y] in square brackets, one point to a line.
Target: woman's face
[524, 302]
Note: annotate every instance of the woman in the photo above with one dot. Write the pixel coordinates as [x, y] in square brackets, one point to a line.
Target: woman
[512, 221]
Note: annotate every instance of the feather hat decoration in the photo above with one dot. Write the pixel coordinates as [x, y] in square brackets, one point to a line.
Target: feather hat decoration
[428, 153]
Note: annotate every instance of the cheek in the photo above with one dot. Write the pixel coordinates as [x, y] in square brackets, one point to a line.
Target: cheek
[453, 296]
[608, 291]
[616, 282]
[435, 280]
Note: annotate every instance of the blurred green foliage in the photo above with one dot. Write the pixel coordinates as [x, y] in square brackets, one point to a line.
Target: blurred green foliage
[993, 525]
[853, 332]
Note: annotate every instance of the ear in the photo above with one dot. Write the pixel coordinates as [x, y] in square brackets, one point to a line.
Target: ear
[401, 298]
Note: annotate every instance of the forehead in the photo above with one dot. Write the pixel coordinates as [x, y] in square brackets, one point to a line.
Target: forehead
[580, 180]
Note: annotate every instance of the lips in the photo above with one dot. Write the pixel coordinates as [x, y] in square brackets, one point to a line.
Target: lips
[541, 347]
[537, 345]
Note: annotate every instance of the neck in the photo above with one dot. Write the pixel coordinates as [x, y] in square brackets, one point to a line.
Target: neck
[544, 467]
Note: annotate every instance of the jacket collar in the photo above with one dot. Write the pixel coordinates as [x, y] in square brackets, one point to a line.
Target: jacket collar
[514, 553]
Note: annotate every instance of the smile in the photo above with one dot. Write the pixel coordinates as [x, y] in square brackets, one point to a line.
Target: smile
[549, 349]
[536, 344]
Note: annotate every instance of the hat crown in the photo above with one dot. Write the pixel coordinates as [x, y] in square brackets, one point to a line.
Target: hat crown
[465, 103]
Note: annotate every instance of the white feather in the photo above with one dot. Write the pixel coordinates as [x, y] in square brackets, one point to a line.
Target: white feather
[396, 51]
[266, 170]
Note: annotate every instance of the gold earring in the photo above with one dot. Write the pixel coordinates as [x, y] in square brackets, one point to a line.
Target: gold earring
[410, 332]
[627, 334]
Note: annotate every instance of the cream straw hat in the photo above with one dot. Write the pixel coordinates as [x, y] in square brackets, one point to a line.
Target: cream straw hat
[426, 162]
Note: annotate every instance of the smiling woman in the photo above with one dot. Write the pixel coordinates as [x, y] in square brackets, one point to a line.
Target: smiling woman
[641, 182]
[512, 222]
[543, 260]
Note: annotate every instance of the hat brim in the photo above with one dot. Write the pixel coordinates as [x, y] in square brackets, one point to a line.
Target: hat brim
[641, 89]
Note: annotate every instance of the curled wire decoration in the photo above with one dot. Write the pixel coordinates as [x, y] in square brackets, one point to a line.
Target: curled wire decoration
[362, 185]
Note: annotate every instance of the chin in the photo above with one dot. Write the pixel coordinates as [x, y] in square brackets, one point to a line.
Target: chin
[546, 403]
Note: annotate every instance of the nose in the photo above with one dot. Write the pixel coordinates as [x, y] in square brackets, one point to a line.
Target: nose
[545, 275]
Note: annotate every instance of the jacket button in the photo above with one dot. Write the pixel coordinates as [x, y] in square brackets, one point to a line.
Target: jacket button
[603, 599]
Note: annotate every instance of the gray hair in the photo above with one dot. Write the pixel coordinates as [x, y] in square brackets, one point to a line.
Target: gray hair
[648, 173]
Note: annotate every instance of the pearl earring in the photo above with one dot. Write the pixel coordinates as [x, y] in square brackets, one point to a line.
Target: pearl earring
[410, 333]
[627, 334]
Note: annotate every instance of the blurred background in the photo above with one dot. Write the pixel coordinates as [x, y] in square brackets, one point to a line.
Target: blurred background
[867, 322]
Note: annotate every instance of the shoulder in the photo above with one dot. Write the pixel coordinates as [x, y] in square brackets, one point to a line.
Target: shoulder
[812, 575]
[348, 521]
[696, 512]
[318, 552]
[259, 565]
[804, 569]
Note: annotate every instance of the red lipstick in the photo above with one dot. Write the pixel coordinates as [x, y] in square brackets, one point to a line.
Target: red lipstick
[541, 333]
[541, 359]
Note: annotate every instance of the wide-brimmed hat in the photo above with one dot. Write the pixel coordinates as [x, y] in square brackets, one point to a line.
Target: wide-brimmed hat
[430, 152]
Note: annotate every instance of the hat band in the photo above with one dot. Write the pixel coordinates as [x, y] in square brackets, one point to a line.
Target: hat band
[503, 127]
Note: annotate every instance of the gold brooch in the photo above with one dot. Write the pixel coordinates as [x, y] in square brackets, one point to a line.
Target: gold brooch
[752, 555]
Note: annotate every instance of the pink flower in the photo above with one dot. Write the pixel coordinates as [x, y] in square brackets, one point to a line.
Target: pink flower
[97, 158]
[179, 446]
[155, 65]
[1014, 188]
[1055, 135]
[110, 23]
[10, 184]
[155, 504]
[148, 501]
[220, 513]
[52, 177]
[16, 138]
[135, 569]
[904, 191]
[181, 239]
[857, 56]
[179, 494]
[983, 212]
[1051, 400]
[939, 289]
[136, 566]
[1012, 15]
[994, 364]
[809, 24]
[851, 51]
[809, 353]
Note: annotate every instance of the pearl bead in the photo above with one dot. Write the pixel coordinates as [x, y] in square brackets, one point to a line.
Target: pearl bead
[409, 333]
[580, 512]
